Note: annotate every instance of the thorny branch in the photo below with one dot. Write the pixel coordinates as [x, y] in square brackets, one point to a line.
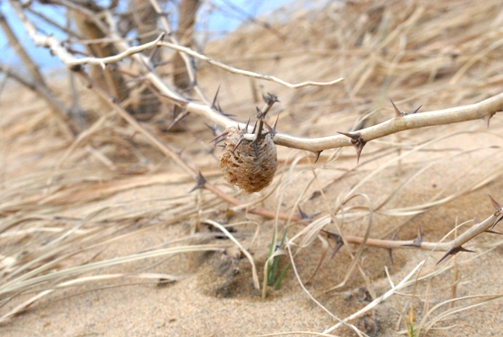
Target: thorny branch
[451, 248]
[484, 109]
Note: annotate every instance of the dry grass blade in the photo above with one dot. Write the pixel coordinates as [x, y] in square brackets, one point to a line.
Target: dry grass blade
[426, 325]
[30, 279]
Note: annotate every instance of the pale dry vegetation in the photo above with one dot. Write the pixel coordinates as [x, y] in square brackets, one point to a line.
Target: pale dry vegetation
[116, 225]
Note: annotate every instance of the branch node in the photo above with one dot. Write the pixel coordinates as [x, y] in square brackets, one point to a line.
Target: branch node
[338, 245]
[305, 216]
[399, 113]
[357, 141]
[270, 99]
[76, 67]
[419, 239]
[200, 184]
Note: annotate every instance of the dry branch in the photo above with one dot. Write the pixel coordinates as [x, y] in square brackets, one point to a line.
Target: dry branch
[18, 48]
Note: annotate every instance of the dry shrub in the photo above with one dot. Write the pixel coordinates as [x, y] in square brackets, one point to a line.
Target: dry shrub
[88, 211]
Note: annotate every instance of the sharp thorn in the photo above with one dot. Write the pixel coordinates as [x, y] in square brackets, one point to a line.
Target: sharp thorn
[239, 143]
[223, 134]
[397, 112]
[418, 240]
[496, 205]
[303, 215]
[213, 129]
[353, 135]
[218, 141]
[275, 124]
[213, 104]
[269, 128]
[419, 107]
[200, 182]
[317, 154]
[454, 251]
[338, 245]
[259, 112]
[493, 232]
[225, 114]
[178, 118]
[487, 119]
[390, 253]
[247, 124]
[255, 148]
[498, 219]
[359, 149]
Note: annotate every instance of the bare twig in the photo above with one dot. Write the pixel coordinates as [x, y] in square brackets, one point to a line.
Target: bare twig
[246, 72]
[54, 23]
[60, 111]
[41, 40]
[20, 51]
[189, 65]
[116, 58]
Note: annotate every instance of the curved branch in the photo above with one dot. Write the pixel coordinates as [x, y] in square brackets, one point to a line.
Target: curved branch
[246, 72]
[115, 58]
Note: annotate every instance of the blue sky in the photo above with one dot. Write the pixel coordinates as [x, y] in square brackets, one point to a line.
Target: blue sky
[218, 17]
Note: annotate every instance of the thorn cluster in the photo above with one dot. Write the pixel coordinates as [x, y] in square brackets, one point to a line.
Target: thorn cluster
[401, 113]
[418, 240]
[216, 106]
[356, 137]
[357, 141]
[200, 182]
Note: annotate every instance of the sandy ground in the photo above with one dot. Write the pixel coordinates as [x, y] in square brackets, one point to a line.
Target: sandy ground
[138, 201]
